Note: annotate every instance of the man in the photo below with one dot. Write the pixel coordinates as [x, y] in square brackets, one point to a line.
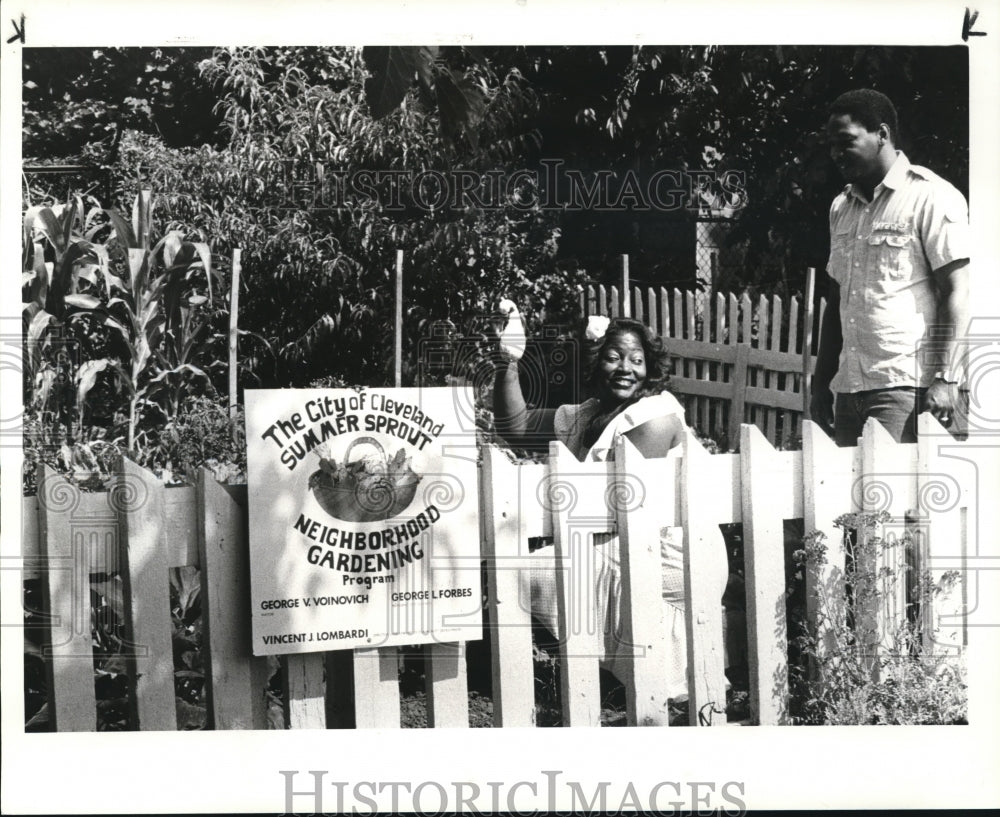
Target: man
[899, 267]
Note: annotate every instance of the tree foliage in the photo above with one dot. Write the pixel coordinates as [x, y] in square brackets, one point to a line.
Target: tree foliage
[291, 124]
[318, 254]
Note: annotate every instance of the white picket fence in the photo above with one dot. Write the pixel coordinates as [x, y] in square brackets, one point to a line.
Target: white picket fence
[142, 528]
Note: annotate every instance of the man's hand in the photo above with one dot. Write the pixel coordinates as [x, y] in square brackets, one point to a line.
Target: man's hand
[941, 400]
[821, 409]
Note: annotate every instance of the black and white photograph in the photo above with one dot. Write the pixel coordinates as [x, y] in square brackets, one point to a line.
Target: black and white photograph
[396, 388]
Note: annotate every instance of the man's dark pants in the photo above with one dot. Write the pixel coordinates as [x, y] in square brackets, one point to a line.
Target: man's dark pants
[895, 408]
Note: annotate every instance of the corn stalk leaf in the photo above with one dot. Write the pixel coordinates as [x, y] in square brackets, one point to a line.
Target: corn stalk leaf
[44, 382]
[113, 281]
[81, 301]
[205, 254]
[183, 368]
[171, 244]
[113, 592]
[138, 265]
[186, 581]
[118, 327]
[142, 218]
[30, 217]
[64, 277]
[38, 277]
[68, 217]
[122, 230]
[50, 227]
[40, 322]
[86, 377]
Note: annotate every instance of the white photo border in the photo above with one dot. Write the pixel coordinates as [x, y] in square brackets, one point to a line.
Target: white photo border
[845, 767]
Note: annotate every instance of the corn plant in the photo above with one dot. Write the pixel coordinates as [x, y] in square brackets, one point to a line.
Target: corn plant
[64, 269]
[148, 329]
[161, 314]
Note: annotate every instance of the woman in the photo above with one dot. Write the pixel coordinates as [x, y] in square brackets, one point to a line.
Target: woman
[626, 371]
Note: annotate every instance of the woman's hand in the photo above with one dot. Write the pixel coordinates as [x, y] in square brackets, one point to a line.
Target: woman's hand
[512, 338]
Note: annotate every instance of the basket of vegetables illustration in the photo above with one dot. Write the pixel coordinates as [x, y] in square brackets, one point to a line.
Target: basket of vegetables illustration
[373, 488]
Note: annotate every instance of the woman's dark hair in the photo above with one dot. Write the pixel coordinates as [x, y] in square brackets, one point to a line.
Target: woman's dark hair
[657, 361]
[869, 108]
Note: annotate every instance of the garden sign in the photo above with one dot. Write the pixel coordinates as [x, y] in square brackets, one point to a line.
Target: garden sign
[363, 518]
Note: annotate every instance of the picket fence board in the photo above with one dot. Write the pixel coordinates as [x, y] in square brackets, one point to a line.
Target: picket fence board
[717, 370]
[237, 677]
[794, 382]
[181, 515]
[732, 336]
[505, 531]
[763, 397]
[888, 484]
[764, 566]
[760, 378]
[943, 504]
[570, 485]
[826, 470]
[684, 387]
[305, 688]
[447, 686]
[376, 688]
[737, 408]
[66, 599]
[147, 594]
[639, 508]
[93, 521]
[693, 367]
[96, 522]
[700, 478]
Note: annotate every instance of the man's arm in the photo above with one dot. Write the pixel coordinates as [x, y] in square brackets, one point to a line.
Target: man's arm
[951, 325]
[827, 360]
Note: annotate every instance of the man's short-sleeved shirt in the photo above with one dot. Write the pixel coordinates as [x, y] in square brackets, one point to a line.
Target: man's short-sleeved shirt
[882, 255]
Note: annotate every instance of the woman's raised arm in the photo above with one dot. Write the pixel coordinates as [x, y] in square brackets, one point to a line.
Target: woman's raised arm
[513, 420]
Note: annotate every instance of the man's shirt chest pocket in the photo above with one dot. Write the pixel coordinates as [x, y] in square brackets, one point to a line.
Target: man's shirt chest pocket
[892, 254]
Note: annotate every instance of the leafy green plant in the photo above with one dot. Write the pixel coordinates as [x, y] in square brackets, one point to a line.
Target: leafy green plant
[118, 334]
[61, 268]
[161, 315]
[851, 670]
[187, 637]
[201, 434]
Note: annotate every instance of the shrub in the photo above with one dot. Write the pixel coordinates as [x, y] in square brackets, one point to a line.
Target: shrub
[849, 671]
